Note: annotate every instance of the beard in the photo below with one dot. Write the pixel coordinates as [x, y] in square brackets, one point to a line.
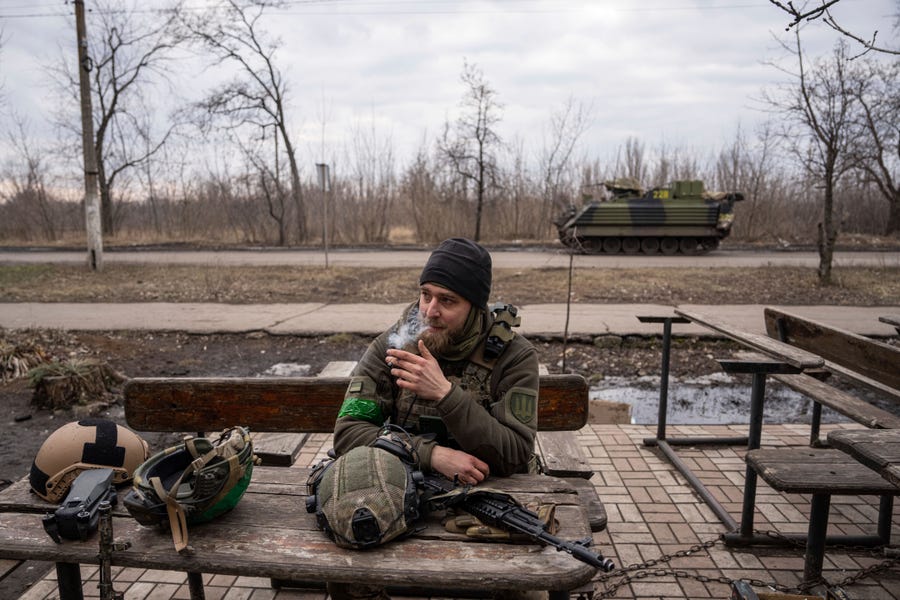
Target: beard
[438, 342]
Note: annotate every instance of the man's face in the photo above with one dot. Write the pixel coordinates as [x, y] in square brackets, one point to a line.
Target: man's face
[444, 312]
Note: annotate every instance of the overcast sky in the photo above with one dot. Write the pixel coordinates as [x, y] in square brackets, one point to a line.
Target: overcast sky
[682, 73]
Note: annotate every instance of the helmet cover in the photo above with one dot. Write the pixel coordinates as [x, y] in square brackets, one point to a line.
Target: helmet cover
[92, 443]
[193, 482]
[365, 498]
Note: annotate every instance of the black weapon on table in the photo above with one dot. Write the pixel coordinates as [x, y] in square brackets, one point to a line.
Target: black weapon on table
[498, 509]
[77, 516]
[492, 508]
[107, 547]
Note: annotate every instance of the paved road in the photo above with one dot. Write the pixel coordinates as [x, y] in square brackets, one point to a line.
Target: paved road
[512, 259]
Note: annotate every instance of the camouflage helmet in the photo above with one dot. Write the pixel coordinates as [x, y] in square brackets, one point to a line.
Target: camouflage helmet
[93, 443]
[193, 482]
[364, 498]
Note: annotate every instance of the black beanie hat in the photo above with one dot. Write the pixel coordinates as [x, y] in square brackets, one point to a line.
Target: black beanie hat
[462, 266]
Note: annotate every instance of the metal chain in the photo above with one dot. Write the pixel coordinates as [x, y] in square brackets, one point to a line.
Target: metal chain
[644, 570]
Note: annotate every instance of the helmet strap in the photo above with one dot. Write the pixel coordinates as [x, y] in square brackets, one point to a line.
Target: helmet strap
[177, 520]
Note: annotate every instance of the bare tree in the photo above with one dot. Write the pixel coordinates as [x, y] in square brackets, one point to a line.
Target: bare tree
[2, 82]
[471, 146]
[128, 55]
[631, 161]
[270, 186]
[419, 189]
[877, 121]
[819, 109]
[25, 186]
[748, 168]
[567, 126]
[256, 98]
[372, 187]
[821, 10]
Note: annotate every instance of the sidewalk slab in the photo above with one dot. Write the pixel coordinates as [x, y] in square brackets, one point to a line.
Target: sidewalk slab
[549, 320]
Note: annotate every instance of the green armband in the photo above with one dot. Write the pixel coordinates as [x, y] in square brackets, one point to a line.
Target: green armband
[361, 408]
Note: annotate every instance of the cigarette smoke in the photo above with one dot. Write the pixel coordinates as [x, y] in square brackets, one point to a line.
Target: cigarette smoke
[408, 332]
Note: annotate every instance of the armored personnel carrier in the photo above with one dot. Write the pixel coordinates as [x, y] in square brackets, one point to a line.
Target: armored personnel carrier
[680, 218]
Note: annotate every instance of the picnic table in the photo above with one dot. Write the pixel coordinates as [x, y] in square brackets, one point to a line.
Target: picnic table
[270, 534]
[891, 320]
[878, 449]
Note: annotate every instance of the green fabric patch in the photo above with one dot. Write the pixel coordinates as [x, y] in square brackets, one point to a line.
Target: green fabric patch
[523, 404]
[361, 408]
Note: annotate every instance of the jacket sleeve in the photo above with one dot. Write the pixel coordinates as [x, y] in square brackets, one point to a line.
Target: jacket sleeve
[371, 383]
[372, 375]
[503, 434]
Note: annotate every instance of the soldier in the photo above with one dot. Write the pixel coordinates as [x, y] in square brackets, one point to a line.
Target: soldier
[464, 384]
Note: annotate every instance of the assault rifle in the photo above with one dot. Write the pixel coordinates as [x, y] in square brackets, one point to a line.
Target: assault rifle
[492, 508]
[107, 546]
[499, 510]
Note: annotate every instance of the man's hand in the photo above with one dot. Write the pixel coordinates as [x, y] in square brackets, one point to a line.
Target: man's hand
[420, 374]
[455, 463]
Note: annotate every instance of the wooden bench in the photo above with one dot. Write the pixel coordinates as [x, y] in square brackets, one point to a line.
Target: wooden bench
[282, 411]
[861, 360]
[8, 566]
[824, 473]
[289, 408]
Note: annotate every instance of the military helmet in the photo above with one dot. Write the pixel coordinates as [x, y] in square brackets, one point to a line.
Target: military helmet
[193, 482]
[92, 443]
[364, 498]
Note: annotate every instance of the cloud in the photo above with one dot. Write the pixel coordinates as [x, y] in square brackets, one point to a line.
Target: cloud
[678, 70]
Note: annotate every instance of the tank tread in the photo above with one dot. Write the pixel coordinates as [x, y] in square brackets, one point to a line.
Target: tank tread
[632, 245]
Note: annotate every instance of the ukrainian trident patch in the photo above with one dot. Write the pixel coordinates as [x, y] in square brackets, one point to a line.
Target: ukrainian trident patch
[522, 404]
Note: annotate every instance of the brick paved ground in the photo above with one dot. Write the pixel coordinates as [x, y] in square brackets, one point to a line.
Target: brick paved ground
[652, 512]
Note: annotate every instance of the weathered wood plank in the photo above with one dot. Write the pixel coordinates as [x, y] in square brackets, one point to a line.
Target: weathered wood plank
[562, 454]
[812, 470]
[8, 566]
[783, 352]
[590, 501]
[296, 404]
[856, 354]
[847, 404]
[269, 534]
[278, 449]
[878, 450]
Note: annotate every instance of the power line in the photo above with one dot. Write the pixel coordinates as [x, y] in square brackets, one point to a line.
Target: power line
[398, 7]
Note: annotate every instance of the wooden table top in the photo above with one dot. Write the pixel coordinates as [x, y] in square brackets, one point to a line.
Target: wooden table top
[270, 534]
[785, 353]
[878, 449]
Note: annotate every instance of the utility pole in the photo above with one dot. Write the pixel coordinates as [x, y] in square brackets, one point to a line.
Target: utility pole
[91, 198]
[325, 185]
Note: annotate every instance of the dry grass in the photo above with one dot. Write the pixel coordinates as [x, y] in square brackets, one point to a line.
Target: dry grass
[246, 285]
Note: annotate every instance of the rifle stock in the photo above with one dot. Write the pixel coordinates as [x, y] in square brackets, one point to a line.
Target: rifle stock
[499, 510]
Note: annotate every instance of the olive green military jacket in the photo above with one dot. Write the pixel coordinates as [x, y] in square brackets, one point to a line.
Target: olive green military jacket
[490, 411]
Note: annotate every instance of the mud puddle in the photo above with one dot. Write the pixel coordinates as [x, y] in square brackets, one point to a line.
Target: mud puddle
[712, 399]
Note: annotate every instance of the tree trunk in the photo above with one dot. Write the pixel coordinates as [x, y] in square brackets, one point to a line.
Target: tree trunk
[106, 208]
[893, 221]
[827, 234]
[296, 191]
